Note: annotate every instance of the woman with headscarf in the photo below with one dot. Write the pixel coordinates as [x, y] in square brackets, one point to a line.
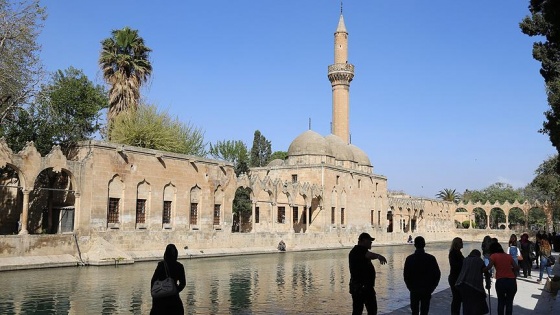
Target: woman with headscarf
[469, 283]
[525, 248]
[456, 263]
[169, 267]
[506, 283]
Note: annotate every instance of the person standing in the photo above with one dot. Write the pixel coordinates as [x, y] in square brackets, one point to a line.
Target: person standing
[545, 251]
[362, 275]
[506, 285]
[421, 276]
[469, 283]
[456, 263]
[525, 248]
[538, 249]
[169, 267]
[485, 247]
[513, 250]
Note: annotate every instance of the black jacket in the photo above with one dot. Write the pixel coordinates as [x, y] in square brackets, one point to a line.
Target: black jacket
[421, 272]
[172, 304]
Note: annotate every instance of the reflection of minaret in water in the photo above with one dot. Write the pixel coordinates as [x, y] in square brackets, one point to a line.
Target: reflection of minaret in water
[341, 74]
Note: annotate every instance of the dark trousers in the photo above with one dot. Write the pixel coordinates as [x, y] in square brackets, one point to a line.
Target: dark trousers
[456, 296]
[366, 296]
[526, 265]
[505, 291]
[420, 302]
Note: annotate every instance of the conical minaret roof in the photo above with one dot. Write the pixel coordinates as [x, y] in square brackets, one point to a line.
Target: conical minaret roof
[341, 28]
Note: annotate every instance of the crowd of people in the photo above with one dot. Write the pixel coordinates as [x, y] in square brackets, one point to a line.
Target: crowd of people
[470, 278]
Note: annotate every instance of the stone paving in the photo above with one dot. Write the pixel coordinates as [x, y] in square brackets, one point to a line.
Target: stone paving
[530, 299]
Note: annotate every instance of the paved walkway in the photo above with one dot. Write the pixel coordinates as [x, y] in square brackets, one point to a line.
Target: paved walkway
[530, 299]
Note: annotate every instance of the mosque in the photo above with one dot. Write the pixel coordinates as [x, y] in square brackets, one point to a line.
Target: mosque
[114, 202]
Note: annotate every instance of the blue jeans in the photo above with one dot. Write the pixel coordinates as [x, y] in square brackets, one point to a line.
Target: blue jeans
[544, 265]
[505, 291]
[486, 262]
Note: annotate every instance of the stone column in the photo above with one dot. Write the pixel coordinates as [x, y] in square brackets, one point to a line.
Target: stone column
[487, 221]
[307, 217]
[76, 211]
[253, 221]
[25, 212]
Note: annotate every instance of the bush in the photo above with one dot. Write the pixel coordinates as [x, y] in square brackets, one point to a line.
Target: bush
[466, 224]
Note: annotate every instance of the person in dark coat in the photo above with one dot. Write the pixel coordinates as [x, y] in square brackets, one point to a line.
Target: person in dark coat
[362, 275]
[525, 248]
[456, 263]
[469, 283]
[421, 276]
[171, 305]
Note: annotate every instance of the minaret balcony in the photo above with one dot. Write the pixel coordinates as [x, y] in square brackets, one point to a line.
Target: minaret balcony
[341, 67]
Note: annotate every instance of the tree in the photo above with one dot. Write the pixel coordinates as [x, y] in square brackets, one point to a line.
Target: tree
[125, 65]
[20, 67]
[544, 22]
[234, 151]
[546, 187]
[449, 195]
[66, 110]
[146, 127]
[282, 155]
[261, 150]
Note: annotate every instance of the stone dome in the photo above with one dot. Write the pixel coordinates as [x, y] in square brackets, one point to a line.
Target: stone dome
[309, 143]
[360, 156]
[276, 162]
[340, 150]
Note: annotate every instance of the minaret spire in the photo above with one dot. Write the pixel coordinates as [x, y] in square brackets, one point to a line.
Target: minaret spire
[341, 74]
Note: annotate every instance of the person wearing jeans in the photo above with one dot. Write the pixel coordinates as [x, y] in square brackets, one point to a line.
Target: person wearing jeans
[546, 251]
[506, 285]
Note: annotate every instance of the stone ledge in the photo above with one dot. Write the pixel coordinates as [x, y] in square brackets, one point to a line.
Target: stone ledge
[38, 262]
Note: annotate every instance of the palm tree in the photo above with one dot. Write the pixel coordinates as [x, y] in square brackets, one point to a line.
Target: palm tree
[449, 195]
[125, 65]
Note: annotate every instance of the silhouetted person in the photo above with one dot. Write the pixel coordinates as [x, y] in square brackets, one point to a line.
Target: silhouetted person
[455, 263]
[362, 275]
[170, 305]
[469, 283]
[421, 276]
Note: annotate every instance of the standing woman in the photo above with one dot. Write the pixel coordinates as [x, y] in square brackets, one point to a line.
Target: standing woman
[538, 249]
[471, 286]
[506, 285]
[525, 248]
[456, 263]
[545, 251]
[169, 267]
[513, 250]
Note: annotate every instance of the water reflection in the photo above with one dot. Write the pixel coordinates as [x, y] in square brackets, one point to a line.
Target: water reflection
[283, 283]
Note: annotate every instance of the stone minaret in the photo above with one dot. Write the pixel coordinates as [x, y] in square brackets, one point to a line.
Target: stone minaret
[341, 74]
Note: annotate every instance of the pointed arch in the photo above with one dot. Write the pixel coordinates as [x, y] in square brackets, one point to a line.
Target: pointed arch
[115, 198]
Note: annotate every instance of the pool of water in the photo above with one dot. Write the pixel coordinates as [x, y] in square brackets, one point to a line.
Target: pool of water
[313, 282]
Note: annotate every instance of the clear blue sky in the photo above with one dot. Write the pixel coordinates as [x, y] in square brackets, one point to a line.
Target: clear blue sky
[446, 94]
